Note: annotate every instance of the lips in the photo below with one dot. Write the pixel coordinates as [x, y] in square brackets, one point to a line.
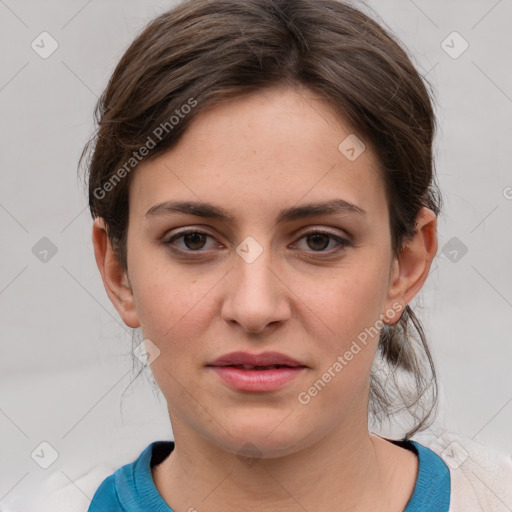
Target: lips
[252, 367]
[257, 373]
[263, 361]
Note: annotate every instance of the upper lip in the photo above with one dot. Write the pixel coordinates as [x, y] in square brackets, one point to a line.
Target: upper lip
[263, 359]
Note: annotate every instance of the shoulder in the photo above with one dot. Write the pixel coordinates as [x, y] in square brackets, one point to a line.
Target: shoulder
[480, 477]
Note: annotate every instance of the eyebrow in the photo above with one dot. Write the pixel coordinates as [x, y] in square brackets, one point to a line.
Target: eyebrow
[211, 211]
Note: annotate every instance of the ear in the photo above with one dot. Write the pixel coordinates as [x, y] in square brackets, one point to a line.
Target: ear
[114, 278]
[410, 269]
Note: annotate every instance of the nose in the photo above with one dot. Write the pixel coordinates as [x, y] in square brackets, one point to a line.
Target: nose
[256, 297]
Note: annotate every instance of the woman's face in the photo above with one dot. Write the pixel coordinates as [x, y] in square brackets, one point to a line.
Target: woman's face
[260, 281]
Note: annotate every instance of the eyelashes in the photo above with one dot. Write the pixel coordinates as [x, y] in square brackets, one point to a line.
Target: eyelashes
[195, 237]
[341, 242]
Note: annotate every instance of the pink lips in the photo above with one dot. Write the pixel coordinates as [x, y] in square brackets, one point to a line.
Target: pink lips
[256, 372]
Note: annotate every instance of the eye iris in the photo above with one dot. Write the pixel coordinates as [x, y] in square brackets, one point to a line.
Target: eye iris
[315, 236]
[194, 236]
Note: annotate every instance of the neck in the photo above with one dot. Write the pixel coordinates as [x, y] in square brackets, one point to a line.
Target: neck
[330, 474]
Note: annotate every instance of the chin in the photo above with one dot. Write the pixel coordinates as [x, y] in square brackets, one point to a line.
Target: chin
[261, 438]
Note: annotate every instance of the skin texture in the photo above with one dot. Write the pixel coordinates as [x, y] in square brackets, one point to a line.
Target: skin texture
[305, 297]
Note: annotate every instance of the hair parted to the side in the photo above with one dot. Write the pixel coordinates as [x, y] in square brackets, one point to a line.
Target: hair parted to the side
[203, 52]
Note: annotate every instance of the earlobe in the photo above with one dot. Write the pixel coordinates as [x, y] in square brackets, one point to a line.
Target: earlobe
[115, 279]
[412, 265]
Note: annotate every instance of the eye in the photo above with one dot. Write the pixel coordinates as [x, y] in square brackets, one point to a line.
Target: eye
[194, 240]
[318, 240]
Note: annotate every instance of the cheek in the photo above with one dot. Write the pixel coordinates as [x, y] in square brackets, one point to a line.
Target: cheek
[174, 304]
[345, 332]
[174, 314]
[346, 302]
[171, 310]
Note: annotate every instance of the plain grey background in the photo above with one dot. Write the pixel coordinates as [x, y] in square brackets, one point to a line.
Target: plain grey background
[65, 367]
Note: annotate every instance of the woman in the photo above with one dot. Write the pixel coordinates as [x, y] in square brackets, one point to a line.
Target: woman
[264, 200]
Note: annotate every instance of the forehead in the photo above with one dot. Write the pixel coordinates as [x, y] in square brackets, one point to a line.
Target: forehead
[262, 152]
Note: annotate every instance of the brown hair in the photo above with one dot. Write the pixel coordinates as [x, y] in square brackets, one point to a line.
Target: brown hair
[203, 52]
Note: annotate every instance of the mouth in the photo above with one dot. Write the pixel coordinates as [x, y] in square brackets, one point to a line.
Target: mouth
[256, 372]
[248, 361]
[256, 368]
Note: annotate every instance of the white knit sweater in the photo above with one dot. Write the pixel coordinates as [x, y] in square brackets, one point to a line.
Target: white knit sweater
[481, 480]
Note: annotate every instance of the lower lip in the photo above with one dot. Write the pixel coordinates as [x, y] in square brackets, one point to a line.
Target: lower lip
[257, 380]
